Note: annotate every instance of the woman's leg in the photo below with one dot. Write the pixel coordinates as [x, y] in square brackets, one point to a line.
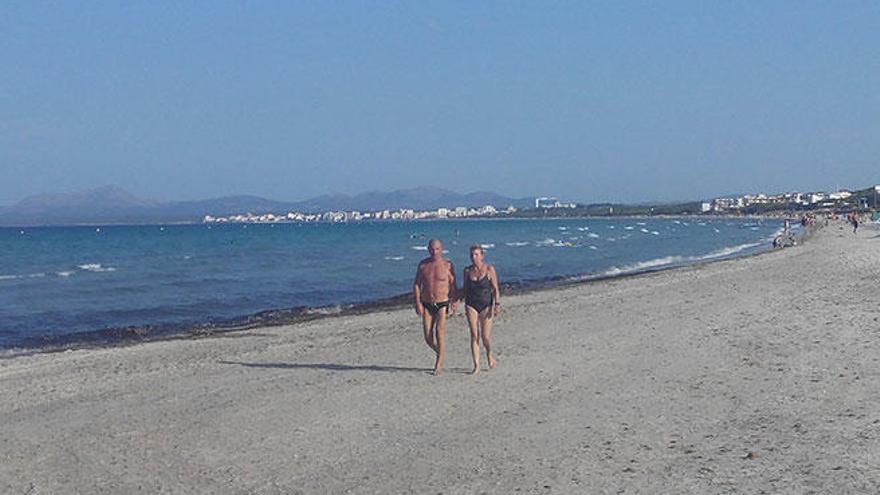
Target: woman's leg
[473, 322]
[486, 326]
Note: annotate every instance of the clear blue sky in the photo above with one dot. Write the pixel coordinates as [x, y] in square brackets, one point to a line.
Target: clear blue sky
[589, 101]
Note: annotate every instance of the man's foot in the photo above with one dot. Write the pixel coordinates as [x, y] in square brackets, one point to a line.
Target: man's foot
[476, 370]
[438, 371]
[492, 361]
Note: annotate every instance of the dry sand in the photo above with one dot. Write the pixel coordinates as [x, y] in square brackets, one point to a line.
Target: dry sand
[745, 376]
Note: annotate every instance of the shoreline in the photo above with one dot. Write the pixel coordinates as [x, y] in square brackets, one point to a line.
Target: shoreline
[134, 335]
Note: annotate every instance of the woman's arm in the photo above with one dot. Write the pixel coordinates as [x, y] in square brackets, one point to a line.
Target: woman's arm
[493, 278]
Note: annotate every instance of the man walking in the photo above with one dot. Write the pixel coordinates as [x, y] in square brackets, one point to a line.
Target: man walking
[436, 294]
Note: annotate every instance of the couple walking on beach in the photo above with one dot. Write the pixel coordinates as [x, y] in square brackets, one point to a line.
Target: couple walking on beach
[436, 296]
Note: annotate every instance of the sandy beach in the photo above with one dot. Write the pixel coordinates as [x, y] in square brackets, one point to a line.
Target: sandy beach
[754, 375]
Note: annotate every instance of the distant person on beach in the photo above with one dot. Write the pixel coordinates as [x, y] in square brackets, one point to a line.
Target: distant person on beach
[855, 222]
[435, 293]
[482, 303]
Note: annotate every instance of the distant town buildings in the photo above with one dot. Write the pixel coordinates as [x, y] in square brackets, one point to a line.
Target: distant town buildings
[552, 202]
[748, 202]
[357, 216]
[732, 204]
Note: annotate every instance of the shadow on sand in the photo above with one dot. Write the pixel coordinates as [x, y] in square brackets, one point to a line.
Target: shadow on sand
[329, 367]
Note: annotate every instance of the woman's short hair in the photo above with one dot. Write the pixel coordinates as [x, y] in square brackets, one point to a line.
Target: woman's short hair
[476, 247]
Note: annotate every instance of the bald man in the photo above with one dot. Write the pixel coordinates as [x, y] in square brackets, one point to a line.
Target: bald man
[435, 293]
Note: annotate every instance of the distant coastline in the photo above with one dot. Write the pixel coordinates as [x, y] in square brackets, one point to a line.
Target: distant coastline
[113, 206]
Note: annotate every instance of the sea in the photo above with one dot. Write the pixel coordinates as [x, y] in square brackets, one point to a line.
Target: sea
[64, 286]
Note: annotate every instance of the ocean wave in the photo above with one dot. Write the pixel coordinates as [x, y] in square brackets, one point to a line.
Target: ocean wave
[655, 232]
[643, 230]
[644, 265]
[394, 258]
[487, 246]
[96, 267]
[516, 244]
[64, 274]
[726, 251]
[629, 227]
[16, 277]
[419, 248]
[594, 236]
[583, 229]
[672, 260]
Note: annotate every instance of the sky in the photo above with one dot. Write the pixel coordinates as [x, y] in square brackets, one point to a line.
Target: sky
[588, 101]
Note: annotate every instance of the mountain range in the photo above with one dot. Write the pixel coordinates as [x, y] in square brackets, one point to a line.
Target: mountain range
[112, 204]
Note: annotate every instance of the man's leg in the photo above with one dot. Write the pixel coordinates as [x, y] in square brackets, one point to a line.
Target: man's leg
[428, 326]
[440, 333]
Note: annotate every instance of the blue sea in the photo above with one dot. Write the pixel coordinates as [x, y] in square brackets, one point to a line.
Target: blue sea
[64, 284]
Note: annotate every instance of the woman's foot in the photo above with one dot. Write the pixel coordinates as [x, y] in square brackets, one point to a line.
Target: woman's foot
[492, 361]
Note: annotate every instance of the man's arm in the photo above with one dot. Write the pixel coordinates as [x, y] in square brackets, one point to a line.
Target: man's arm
[417, 291]
[453, 286]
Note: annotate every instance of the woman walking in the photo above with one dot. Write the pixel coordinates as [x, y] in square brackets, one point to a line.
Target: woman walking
[482, 303]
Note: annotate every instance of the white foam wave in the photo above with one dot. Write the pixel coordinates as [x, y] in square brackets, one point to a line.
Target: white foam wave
[64, 274]
[594, 248]
[419, 248]
[671, 260]
[644, 265]
[394, 258]
[517, 244]
[643, 230]
[629, 227]
[641, 223]
[594, 236]
[96, 267]
[583, 229]
[15, 277]
[487, 246]
[655, 232]
[727, 251]
[562, 228]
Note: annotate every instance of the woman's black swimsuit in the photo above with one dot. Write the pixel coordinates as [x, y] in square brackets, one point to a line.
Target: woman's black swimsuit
[479, 294]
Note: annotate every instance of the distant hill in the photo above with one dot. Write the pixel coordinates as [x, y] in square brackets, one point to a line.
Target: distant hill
[111, 204]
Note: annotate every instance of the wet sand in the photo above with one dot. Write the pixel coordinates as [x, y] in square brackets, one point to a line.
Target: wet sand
[751, 375]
